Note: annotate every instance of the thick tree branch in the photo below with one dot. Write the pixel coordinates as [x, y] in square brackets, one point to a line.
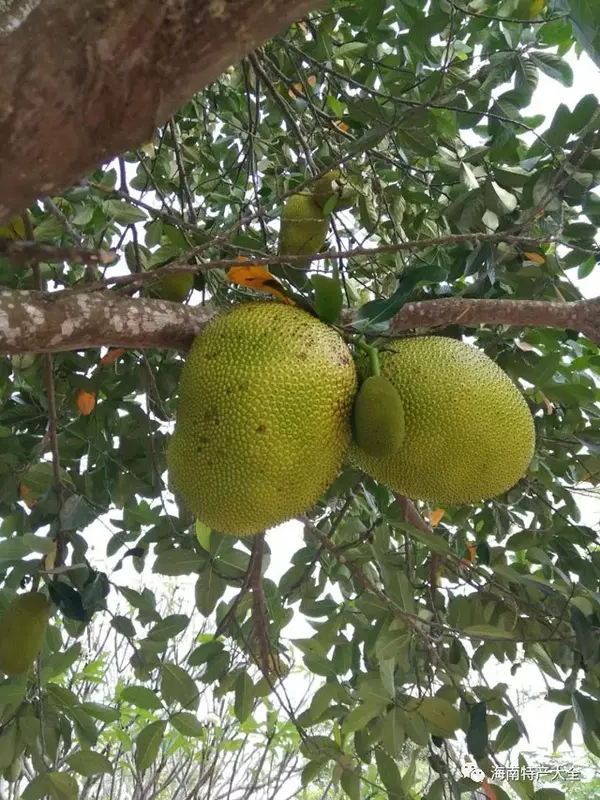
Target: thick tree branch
[33, 322]
[582, 316]
[84, 81]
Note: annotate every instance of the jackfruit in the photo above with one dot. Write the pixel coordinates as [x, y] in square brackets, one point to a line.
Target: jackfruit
[378, 417]
[469, 434]
[303, 227]
[22, 630]
[175, 288]
[264, 417]
[334, 183]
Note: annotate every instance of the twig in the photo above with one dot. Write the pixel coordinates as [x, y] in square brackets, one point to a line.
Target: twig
[284, 108]
[52, 428]
[247, 584]
[258, 602]
[411, 513]
[181, 265]
[186, 195]
[27, 251]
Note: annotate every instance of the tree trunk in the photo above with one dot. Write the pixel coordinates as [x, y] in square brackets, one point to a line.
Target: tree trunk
[83, 81]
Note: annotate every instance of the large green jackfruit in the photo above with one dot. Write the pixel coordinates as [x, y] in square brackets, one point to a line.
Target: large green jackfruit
[22, 630]
[378, 417]
[264, 417]
[303, 227]
[469, 434]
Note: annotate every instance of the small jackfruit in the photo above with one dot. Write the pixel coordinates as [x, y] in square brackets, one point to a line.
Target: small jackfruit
[175, 288]
[378, 417]
[22, 631]
[264, 417]
[469, 434]
[334, 184]
[303, 227]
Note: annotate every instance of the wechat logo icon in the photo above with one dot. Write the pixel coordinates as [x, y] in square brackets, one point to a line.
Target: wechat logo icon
[473, 772]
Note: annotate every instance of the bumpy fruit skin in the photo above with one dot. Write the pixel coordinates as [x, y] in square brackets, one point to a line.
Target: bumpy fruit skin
[378, 417]
[469, 434]
[303, 227]
[264, 417]
[334, 183]
[22, 631]
[175, 288]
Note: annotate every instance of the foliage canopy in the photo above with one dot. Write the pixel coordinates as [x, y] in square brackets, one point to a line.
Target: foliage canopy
[426, 107]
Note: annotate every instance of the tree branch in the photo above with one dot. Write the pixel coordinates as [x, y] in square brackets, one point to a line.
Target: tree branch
[33, 322]
[582, 315]
[84, 81]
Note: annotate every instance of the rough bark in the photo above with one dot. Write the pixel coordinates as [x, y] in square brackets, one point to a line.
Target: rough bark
[83, 81]
[32, 322]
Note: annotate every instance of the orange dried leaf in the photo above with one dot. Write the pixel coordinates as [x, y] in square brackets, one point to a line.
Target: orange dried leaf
[49, 559]
[298, 89]
[341, 126]
[111, 356]
[436, 516]
[547, 403]
[260, 279]
[489, 792]
[535, 257]
[27, 495]
[525, 346]
[86, 402]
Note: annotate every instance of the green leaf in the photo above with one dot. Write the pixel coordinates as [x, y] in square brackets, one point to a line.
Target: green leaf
[563, 726]
[177, 686]
[553, 66]
[392, 735]
[358, 718]
[123, 212]
[203, 535]
[584, 18]
[432, 540]
[124, 626]
[102, 712]
[210, 587]
[76, 513]
[488, 632]
[439, 714]
[142, 697]
[328, 298]
[12, 690]
[177, 562]
[350, 783]
[88, 762]
[507, 737]
[147, 744]
[8, 745]
[62, 786]
[20, 546]
[244, 697]
[390, 775]
[187, 724]
[168, 628]
[382, 310]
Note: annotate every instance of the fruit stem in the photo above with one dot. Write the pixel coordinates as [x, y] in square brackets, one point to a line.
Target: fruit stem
[373, 354]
